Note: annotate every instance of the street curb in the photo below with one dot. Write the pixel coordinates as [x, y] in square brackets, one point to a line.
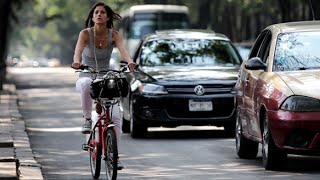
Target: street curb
[27, 167]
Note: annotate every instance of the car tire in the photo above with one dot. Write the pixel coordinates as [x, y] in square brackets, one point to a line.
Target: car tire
[125, 126]
[273, 158]
[137, 130]
[246, 148]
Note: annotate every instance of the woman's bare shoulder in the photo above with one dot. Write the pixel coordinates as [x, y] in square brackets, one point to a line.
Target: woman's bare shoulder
[85, 31]
[84, 36]
[116, 34]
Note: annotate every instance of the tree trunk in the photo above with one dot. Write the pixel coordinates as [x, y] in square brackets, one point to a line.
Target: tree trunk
[315, 6]
[215, 14]
[5, 11]
[204, 14]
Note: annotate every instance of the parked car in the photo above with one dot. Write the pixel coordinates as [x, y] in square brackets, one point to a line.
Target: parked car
[187, 78]
[244, 49]
[277, 94]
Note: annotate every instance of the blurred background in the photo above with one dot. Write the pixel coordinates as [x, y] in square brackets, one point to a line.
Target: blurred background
[44, 32]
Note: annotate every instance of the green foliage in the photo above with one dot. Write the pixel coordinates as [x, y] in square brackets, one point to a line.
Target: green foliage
[48, 28]
[51, 27]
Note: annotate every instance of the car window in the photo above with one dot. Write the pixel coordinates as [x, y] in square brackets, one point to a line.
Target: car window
[257, 44]
[198, 52]
[147, 22]
[297, 51]
[264, 48]
[266, 54]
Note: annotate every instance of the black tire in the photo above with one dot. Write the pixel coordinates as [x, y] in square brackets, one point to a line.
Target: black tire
[111, 158]
[246, 148]
[94, 156]
[273, 158]
[137, 130]
[125, 126]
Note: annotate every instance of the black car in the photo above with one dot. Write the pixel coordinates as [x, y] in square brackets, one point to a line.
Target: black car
[186, 77]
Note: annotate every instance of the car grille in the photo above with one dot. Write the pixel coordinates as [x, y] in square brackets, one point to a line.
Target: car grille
[209, 89]
[222, 107]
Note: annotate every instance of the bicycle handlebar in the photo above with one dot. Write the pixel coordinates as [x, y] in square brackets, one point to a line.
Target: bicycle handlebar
[91, 70]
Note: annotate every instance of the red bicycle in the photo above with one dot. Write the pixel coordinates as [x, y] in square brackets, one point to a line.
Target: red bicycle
[102, 141]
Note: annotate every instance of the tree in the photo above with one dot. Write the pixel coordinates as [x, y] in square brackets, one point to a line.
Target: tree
[7, 15]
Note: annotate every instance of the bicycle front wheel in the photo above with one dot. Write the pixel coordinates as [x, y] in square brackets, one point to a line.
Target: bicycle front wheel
[111, 158]
[95, 155]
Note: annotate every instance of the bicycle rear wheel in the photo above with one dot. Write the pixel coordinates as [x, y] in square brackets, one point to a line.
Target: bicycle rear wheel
[111, 158]
[95, 155]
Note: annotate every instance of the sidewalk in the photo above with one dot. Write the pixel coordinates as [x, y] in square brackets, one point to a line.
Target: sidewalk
[16, 157]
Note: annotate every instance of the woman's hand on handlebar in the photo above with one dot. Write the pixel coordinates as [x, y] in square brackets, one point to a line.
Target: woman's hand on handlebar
[132, 66]
[75, 65]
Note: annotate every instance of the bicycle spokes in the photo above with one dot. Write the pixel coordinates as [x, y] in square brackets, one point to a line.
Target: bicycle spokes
[94, 149]
[111, 156]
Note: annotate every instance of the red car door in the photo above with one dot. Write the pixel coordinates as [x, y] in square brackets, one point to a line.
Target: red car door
[252, 86]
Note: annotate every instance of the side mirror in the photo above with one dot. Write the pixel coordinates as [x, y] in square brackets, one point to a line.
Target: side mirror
[255, 63]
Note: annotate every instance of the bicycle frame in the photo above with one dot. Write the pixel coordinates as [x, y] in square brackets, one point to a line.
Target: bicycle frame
[103, 123]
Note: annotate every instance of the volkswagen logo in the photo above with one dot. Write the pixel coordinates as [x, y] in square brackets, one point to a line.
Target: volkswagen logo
[199, 90]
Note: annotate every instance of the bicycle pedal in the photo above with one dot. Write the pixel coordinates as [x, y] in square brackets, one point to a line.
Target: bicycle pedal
[85, 147]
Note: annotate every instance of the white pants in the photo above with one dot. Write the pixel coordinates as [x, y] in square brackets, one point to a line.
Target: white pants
[83, 85]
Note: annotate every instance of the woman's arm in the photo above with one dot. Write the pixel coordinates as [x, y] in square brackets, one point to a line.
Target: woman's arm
[82, 41]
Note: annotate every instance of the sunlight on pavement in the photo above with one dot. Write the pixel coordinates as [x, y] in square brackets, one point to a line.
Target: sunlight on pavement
[39, 70]
[68, 129]
[185, 128]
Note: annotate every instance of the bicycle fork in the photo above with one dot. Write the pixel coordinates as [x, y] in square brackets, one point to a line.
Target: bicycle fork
[105, 130]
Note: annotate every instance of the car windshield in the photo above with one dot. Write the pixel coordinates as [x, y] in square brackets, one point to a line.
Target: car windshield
[198, 52]
[146, 23]
[297, 51]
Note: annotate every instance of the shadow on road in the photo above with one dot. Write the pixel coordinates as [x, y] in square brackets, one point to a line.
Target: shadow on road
[301, 164]
[295, 164]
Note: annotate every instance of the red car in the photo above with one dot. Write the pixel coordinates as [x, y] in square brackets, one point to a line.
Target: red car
[278, 94]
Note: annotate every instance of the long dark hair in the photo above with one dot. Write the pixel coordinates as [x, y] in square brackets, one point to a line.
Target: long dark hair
[110, 13]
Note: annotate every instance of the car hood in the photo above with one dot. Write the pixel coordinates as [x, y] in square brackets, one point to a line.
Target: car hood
[190, 74]
[304, 83]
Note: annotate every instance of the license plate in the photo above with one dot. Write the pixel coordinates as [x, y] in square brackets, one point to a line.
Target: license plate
[200, 105]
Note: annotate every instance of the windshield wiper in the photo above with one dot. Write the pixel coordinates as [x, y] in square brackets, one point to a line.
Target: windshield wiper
[306, 68]
[303, 68]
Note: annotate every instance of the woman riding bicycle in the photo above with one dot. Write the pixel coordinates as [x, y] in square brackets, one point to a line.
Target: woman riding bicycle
[94, 48]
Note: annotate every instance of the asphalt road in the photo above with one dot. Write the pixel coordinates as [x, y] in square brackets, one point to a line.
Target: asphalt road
[51, 108]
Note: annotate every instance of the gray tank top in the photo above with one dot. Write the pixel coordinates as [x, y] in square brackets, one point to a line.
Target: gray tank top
[102, 55]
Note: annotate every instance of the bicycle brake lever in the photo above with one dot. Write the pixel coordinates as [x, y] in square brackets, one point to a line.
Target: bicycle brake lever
[83, 67]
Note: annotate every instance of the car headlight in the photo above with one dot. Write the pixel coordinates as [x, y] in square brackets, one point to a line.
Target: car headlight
[301, 103]
[152, 89]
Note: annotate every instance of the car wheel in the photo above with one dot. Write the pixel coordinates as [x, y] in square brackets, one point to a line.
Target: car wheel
[125, 126]
[137, 130]
[273, 158]
[246, 148]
